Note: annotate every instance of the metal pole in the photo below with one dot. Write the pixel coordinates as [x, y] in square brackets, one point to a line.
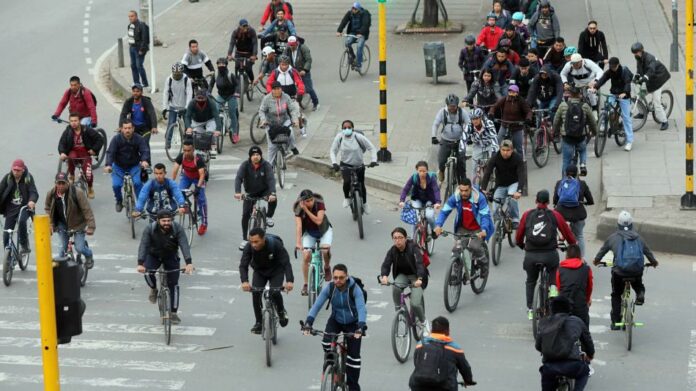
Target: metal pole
[151, 22]
[47, 303]
[688, 200]
[674, 52]
[120, 53]
[383, 155]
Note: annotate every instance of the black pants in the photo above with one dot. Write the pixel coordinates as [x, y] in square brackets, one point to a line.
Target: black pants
[617, 288]
[582, 313]
[170, 263]
[275, 280]
[531, 258]
[446, 148]
[249, 69]
[353, 357]
[246, 213]
[574, 369]
[10, 222]
[346, 183]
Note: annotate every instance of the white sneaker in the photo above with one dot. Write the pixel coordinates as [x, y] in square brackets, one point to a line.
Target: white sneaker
[628, 147]
[346, 202]
[270, 222]
[303, 132]
[591, 370]
[366, 208]
[242, 245]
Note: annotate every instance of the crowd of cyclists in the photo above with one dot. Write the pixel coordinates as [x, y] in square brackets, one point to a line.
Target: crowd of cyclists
[511, 70]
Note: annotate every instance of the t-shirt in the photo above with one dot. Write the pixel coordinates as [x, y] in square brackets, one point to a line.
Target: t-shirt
[131, 34]
[190, 167]
[309, 225]
[419, 193]
[78, 145]
[59, 210]
[468, 219]
[138, 114]
[16, 201]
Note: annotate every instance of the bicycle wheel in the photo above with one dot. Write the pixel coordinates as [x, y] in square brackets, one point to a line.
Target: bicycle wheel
[628, 323]
[667, 103]
[311, 286]
[638, 109]
[188, 222]
[511, 241]
[419, 237]
[249, 92]
[479, 273]
[366, 61]
[102, 152]
[556, 141]
[230, 132]
[241, 98]
[7, 267]
[601, 139]
[257, 133]
[401, 336]
[130, 207]
[221, 138]
[541, 148]
[453, 284]
[497, 244]
[167, 313]
[536, 309]
[344, 66]
[83, 269]
[357, 199]
[327, 378]
[23, 260]
[304, 101]
[280, 167]
[177, 142]
[449, 178]
[268, 335]
[429, 243]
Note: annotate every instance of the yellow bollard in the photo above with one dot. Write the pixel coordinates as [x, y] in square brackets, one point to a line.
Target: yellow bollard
[383, 155]
[688, 200]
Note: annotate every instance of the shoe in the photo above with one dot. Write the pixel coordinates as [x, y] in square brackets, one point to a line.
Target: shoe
[270, 222]
[553, 291]
[366, 208]
[346, 202]
[614, 327]
[664, 126]
[235, 138]
[304, 291]
[242, 245]
[283, 319]
[256, 328]
[315, 107]
[174, 318]
[90, 193]
[591, 370]
[89, 262]
[640, 298]
[295, 151]
[202, 229]
[530, 314]
[153, 296]
[25, 249]
[327, 273]
[628, 147]
[639, 116]
[119, 206]
[440, 176]
[583, 170]
[303, 131]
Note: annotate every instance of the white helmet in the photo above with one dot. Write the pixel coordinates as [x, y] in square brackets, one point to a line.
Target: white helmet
[624, 219]
[267, 50]
[575, 58]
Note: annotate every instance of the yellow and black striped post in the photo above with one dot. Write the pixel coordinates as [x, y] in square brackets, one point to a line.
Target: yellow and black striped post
[383, 155]
[688, 200]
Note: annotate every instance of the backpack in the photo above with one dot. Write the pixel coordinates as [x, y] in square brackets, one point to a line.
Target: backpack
[186, 81]
[575, 120]
[460, 121]
[431, 366]
[362, 146]
[540, 228]
[351, 294]
[555, 343]
[94, 98]
[569, 192]
[630, 257]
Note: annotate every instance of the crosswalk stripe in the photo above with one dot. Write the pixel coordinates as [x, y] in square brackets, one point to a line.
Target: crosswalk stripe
[18, 310]
[148, 366]
[110, 345]
[117, 328]
[199, 272]
[97, 382]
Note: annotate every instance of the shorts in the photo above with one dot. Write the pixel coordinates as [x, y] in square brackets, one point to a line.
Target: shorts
[325, 240]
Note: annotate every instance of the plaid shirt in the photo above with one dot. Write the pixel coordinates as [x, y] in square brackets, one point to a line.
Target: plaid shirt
[485, 138]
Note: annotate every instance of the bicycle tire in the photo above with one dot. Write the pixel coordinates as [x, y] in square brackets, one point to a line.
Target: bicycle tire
[540, 154]
[619, 136]
[257, 133]
[453, 284]
[556, 144]
[401, 336]
[304, 101]
[186, 221]
[344, 66]
[268, 335]
[497, 245]
[535, 311]
[230, 133]
[666, 95]
[327, 378]
[639, 108]
[511, 241]
[249, 92]
[167, 318]
[628, 324]
[429, 243]
[311, 286]
[418, 238]
[280, 167]
[102, 152]
[448, 181]
[359, 213]
[367, 57]
[176, 144]
[602, 131]
[241, 98]
[478, 283]
[7, 267]
[23, 260]
[129, 212]
[220, 140]
[83, 269]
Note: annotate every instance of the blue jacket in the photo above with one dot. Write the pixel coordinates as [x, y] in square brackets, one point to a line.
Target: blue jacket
[341, 310]
[127, 153]
[479, 207]
[159, 196]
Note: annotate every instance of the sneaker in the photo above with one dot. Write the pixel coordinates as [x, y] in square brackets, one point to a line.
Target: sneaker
[303, 131]
[553, 291]
[639, 116]
[283, 319]
[591, 370]
[174, 318]
[346, 202]
[153, 296]
[270, 222]
[119, 206]
[366, 208]
[295, 151]
[315, 107]
[614, 327]
[202, 229]
[25, 249]
[90, 193]
[89, 262]
[242, 245]
[640, 298]
[327, 273]
[441, 176]
[530, 314]
[235, 138]
[303, 291]
[628, 147]
[583, 170]
[256, 328]
[664, 126]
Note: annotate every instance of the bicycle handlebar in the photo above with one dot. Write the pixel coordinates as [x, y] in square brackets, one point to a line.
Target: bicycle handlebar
[159, 271]
[313, 331]
[458, 236]
[611, 264]
[390, 283]
[272, 289]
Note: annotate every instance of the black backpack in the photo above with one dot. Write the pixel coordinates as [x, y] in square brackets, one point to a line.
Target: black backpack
[540, 228]
[431, 366]
[555, 342]
[351, 294]
[575, 120]
[460, 119]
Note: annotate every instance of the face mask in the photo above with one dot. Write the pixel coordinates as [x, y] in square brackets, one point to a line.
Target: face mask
[347, 132]
[637, 57]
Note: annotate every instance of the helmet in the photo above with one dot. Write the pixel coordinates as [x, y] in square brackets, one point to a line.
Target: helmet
[492, 15]
[267, 50]
[477, 113]
[221, 60]
[575, 58]
[636, 47]
[470, 39]
[177, 67]
[519, 16]
[284, 59]
[570, 50]
[624, 219]
[452, 100]
[163, 213]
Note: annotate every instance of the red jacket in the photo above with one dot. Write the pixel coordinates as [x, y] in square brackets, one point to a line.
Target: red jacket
[488, 38]
[295, 77]
[574, 264]
[80, 103]
[561, 224]
[269, 15]
[513, 57]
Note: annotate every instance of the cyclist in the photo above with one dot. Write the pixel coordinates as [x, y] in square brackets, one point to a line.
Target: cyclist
[537, 236]
[257, 176]
[583, 73]
[269, 14]
[453, 353]
[348, 315]
[17, 189]
[352, 145]
[501, 69]
[311, 226]
[628, 249]
[159, 193]
[568, 53]
[79, 100]
[514, 109]
[139, 109]
[80, 142]
[574, 282]
[127, 152]
[159, 246]
[566, 347]
[278, 111]
[517, 43]
[268, 64]
[405, 262]
[471, 58]
[301, 60]
[472, 216]
[193, 173]
[266, 254]
[278, 40]
[544, 26]
[244, 40]
[512, 55]
[178, 92]
[482, 134]
[572, 121]
[534, 58]
[228, 91]
[620, 90]
[555, 56]
[522, 77]
[453, 120]
[280, 21]
[520, 27]
[203, 117]
[356, 22]
[502, 16]
[654, 74]
[484, 90]
[546, 91]
[68, 209]
[490, 34]
[509, 177]
[194, 59]
[424, 191]
[570, 197]
[288, 77]
[593, 45]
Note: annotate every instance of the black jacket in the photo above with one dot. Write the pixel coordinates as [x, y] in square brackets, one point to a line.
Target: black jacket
[246, 43]
[576, 330]
[303, 60]
[470, 60]
[27, 188]
[523, 81]
[150, 113]
[516, 43]
[620, 80]
[226, 83]
[592, 46]
[90, 138]
[270, 260]
[127, 153]
[141, 35]
[364, 28]
[156, 242]
[257, 183]
[545, 90]
[654, 70]
[455, 356]
[507, 171]
[413, 256]
[578, 213]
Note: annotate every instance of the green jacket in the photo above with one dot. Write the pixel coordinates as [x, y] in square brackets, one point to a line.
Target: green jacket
[559, 120]
[303, 60]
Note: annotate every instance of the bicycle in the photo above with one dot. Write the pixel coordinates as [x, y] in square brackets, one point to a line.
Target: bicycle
[129, 197]
[315, 274]
[70, 253]
[226, 123]
[101, 154]
[348, 59]
[356, 202]
[422, 235]
[80, 177]
[458, 273]
[258, 218]
[270, 319]
[203, 146]
[640, 106]
[451, 173]
[502, 221]
[13, 256]
[282, 142]
[564, 383]
[540, 302]
[539, 138]
[189, 219]
[333, 378]
[404, 324]
[176, 132]
[258, 132]
[164, 303]
[480, 168]
[609, 124]
[245, 86]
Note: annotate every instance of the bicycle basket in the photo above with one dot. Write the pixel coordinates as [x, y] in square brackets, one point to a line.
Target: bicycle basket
[409, 215]
[202, 141]
[279, 134]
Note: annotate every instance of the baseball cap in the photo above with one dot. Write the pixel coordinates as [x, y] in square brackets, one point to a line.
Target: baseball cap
[575, 57]
[61, 177]
[292, 41]
[506, 144]
[357, 5]
[243, 22]
[514, 88]
[625, 219]
[137, 86]
[18, 164]
[267, 50]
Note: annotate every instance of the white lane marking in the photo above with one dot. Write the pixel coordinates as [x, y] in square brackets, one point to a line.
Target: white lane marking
[97, 382]
[118, 328]
[88, 61]
[88, 8]
[601, 363]
[85, 31]
[599, 316]
[218, 178]
[598, 329]
[693, 267]
[149, 366]
[230, 301]
[86, 50]
[377, 304]
[199, 272]
[114, 257]
[227, 157]
[85, 39]
[692, 361]
[86, 15]
[371, 318]
[86, 22]
[217, 167]
[113, 346]
[18, 310]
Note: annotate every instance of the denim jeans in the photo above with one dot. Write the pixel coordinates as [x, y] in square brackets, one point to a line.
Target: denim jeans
[117, 180]
[578, 227]
[625, 105]
[80, 241]
[517, 139]
[309, 87]
[186, 182]
[137, 67]
[232, 110]
[551, 104]
[349, 41]
[569, 154]
[86, 121]
[500, 193]
[172, 116]
[429, 212]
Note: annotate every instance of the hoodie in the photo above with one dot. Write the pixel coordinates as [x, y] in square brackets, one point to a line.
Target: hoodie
[593, 46]
[342, 311]
[545, 26]
[455, 356]
[614, 243]
[574, 281]
[479, 207]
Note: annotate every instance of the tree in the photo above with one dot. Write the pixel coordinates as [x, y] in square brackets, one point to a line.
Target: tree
[430, 13]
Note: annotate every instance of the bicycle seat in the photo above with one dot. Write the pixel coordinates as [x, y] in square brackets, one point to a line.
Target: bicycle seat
[629, 279]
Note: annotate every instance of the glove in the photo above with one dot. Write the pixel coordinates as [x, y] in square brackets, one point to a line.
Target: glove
[636, 78]
[654, 264]
[373, 164]
[434, 141]
[336, 167]
[54, 117]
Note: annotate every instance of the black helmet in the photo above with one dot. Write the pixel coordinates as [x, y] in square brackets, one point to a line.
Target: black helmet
[470, 39]
[452, 100]
[177, 67]
[636, 47]
[221, 60]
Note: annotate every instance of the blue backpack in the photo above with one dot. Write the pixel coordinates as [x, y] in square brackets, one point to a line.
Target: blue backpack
[569, 192]
[630, 257]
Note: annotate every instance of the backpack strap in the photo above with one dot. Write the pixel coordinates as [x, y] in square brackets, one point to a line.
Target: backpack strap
[332, 288]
